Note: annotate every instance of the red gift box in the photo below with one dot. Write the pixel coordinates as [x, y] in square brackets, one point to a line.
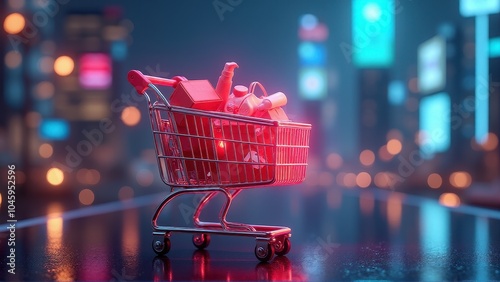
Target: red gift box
[194, 94]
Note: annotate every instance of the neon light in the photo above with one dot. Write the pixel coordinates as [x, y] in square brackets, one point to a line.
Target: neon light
[372, 33]
[435, 126]
[95, 71]
[432, 65]
[54, 129]
[312, 83]
[308, 21]
[482, 83]
[494, 47]
[312, 54]
[479, 7]
[396, 93]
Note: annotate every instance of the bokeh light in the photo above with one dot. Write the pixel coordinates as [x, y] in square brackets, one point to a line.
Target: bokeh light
[45, 150]
[334, 161]
[144, 177]
[44, 90]
[382, 180]
[86, 197]
[394, 146]
[434, 180]
[491, 142]
[14, 23]
[363, 179]
[384, 155]
[125, 193]
[460, 179]
[13, 59]
[33, 119]
[46, 64]
[88, 176]
[55, 176]
[64, 65]
[131, 116]
[449, 200]
[349, 179]
[372, 12]
[367, 157]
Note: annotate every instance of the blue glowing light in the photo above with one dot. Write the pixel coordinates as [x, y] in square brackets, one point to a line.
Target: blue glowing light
[372, 12]
[308, 21]
[312, 83]
[396, 92]
[482, 80]
[479, 7]
[435, 128]
[312, 54]
[372, 33]
[494, 47]
[119, 50]
[432, 65]
[54, 129]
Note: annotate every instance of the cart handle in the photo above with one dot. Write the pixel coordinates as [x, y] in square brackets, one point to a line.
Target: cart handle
[141, 82]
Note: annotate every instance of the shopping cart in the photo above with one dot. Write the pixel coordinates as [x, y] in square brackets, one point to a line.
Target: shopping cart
[212, 153]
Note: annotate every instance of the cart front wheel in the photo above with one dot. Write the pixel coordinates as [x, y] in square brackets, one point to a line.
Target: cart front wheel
[283, 247]
[161, 247]
[264, 254]
[201, 241]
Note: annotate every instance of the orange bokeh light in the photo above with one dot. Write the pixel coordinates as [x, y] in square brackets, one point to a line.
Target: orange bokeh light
[45, 150]
[363, 179]
[64, 65]
[349, 179]
[131, 116]
[383, 154]
[449, 200]
[367, 157]
[13, 59]
[334, 161]
[394, 146]
[14, 23]
[55, 176]
[434, 180]
[491, 142]
[460, 179]
[86, 197]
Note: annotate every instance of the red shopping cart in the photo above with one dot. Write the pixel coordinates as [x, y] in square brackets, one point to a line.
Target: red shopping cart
[211, 152]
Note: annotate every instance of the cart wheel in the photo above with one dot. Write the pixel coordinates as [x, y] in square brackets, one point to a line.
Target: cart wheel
[161, 248]
[283, 247]
[201, 240]
[264, 254]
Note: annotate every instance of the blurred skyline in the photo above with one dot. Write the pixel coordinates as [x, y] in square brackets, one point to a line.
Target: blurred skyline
[368, 122]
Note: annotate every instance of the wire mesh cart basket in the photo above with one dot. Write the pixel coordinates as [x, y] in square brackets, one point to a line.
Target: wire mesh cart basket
[210, 153]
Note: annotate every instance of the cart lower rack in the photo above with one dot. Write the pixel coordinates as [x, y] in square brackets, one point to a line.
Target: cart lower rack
[210, 153]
